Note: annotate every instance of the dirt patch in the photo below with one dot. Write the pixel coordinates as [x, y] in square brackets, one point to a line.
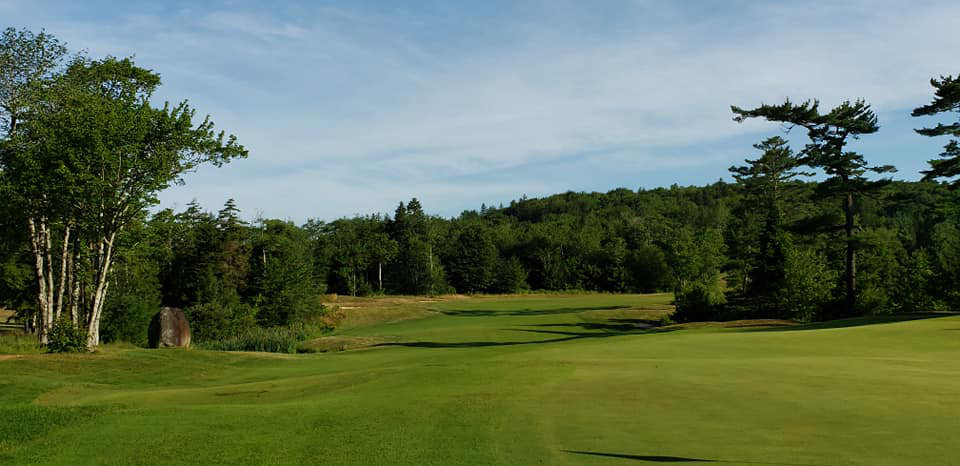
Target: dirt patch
[351, 312]
[6, 314]
[7, 357]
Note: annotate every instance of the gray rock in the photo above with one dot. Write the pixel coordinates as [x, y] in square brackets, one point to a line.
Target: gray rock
[169, 328]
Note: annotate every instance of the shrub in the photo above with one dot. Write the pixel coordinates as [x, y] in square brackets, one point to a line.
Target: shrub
[65, 337]
[700, 301]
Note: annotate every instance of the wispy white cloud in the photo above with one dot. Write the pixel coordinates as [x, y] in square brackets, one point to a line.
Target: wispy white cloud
[350, 110]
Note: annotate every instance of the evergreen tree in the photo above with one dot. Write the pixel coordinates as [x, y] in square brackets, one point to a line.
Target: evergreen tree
[829, 134]
[471, 262]
[764, 181]
[946, 99]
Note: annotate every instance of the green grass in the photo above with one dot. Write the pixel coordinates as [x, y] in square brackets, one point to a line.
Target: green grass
[527, 380]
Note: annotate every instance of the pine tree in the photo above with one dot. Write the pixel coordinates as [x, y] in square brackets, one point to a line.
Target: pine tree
[764, 181]
[947, 99]
[829, 134]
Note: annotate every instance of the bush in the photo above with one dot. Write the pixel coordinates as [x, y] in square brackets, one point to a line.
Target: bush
[65, 337]
[699, 302]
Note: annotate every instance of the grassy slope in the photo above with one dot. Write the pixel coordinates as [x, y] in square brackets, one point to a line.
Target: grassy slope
[518, 381]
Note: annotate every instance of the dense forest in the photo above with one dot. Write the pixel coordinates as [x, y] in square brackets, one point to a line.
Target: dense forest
[802, 232]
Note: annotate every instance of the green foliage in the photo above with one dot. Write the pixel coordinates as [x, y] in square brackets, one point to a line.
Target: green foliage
[218, 320]
[284, 339]
[509, 276]
[809, 283]
[700, 300]
[913, 290]
[281, 274]
[65, 337]
[648, 269]
[765, 182]
[829, 134]
[472, 260]
[135, 289]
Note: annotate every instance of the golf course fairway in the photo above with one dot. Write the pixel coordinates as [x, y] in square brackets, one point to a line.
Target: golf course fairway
[574, 379]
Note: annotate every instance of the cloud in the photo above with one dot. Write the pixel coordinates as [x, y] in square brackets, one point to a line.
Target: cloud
[349, 109]
[253, 25]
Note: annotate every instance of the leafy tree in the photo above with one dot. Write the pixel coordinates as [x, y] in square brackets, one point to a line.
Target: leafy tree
[696, 259]
[91, 156]
[509, 276]
[829, 134]
[27, 61]
[946, 99]
[808, 282]
[648, 269]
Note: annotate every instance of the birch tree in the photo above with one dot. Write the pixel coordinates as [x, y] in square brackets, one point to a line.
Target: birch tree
[27, 62]
[90, 157]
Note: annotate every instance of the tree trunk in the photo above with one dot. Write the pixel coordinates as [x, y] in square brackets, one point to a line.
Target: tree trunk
[850, 277]
[430, 258]
[43, 305]
[64, 265]
[105, 255]
[380, 275]
[74, 285]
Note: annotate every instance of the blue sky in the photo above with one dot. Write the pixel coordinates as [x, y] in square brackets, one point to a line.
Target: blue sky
[352, 106]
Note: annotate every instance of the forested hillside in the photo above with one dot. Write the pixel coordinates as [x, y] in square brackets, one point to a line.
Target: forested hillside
[704, 243]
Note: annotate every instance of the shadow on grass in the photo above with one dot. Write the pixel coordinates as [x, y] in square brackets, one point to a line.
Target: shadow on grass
[563, 336]
[526, 312]
[853, 322]
[679, 459]
[616, 325]
[648, 458]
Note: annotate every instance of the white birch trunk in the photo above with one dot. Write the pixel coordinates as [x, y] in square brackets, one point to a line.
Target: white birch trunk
[51, 286]
[105, 251]
[36, 245]
[64, 264]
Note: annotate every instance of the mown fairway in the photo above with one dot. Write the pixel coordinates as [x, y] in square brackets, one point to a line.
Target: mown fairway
[513, 381]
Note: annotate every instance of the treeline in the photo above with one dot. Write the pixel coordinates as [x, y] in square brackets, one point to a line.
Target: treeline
[704, 243]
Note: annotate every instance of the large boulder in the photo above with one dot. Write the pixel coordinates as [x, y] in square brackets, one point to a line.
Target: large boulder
[169, 328]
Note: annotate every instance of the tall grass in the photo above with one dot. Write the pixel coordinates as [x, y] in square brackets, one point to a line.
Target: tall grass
[18, 343]
[271, 340]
